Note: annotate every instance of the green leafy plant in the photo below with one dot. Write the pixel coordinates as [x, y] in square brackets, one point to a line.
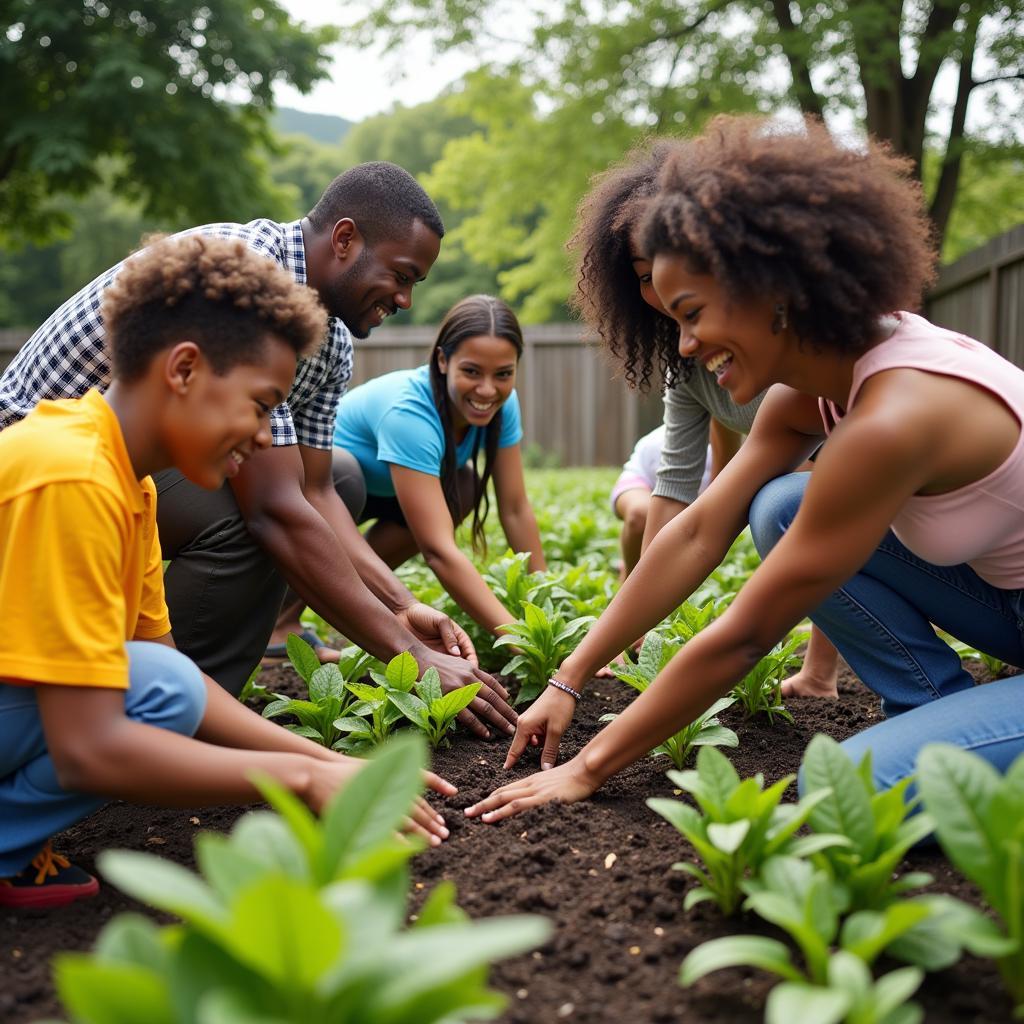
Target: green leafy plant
[689, 619]
[292, 920]
[372, 716]
[738, 827]
[760, 690]
[253, 690]
[979, 821]
[328, 698]
[704, 731]
[990, 661]
[514, 585]
[544, 640]
[432, 710]
[880, 825]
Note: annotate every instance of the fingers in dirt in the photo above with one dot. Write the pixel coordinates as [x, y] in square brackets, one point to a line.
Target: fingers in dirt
[439, 784]
[494, 713]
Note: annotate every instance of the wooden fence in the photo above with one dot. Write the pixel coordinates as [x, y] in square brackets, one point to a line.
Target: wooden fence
[577, 408]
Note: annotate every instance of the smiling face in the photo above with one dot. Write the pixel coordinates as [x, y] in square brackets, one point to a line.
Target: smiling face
[219, 421]
[371, 282]
[733, 341]
[479, 377]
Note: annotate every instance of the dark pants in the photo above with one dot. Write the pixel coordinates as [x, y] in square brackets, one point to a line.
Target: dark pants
[223, 590]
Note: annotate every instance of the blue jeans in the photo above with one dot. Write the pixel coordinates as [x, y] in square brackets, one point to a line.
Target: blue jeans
[881, 622]
[165, 689]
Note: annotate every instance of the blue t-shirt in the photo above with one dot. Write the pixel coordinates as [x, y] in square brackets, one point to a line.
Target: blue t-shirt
[393, 419]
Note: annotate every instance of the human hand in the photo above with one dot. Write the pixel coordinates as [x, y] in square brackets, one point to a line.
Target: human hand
[564, 784]
[437, 631]
[489, 706]
[545, 720]
[329, 776]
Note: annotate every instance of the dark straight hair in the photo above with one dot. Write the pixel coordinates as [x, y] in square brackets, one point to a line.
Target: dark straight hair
[473, 317]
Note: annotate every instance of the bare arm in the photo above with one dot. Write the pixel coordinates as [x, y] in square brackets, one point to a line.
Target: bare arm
[514, 509]
[725, 443]
[426, 512]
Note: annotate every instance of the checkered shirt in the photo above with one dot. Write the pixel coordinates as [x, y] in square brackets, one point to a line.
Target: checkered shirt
[66, 356]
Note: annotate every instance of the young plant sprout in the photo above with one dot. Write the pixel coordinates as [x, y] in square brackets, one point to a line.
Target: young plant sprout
[430, 709]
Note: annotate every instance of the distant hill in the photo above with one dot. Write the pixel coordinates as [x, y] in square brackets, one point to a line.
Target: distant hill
[319, 127]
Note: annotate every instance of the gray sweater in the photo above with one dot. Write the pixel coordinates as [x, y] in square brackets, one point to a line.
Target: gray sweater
[689, 408]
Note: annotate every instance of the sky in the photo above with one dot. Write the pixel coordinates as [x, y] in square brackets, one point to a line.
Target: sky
[363, 82]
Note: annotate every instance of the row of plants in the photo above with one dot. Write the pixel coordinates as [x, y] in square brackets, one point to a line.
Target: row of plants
[824, 871]
[291, 918]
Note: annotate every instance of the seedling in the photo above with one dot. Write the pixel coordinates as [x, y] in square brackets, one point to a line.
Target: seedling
[880, 826]
[979, 820]
[372, 715]
[760, 690]
[295, 920]
[328, 697]
[515, 586]
[252, 690]
[430, 709]
[655, 654]
[739, 826]
[689, 619]
[544, 640]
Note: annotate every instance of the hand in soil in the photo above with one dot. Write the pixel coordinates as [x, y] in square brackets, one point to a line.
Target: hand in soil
[544, 721]
[564, 784]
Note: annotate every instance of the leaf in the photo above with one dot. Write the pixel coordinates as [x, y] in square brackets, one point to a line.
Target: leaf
[738, 951]
[412, 707]
[112, 993]
[402, 671]
[800, 1003]
[728, 838]
[326, 681]
[429, 687]
[848, 809]
[455, 700]
[302, 656]
[372, 805]
[356, 726]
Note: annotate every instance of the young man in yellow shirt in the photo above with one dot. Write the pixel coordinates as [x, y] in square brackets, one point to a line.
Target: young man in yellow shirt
[95, 702]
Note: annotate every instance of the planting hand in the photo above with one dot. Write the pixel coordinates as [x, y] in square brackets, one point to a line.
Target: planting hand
[565, 784]
[437, 631]
[544, 721]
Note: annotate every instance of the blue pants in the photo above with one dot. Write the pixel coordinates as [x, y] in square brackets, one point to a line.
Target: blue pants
[165, 689]
[881, 622]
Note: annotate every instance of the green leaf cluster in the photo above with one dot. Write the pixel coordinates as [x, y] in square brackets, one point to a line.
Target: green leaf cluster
[370, 719]
[431, 710]
[295, 920]
[979, 821]
[738, 827]
[760, 690]
[544, 640]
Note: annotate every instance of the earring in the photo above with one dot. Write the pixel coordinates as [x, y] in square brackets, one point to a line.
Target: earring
[779, 322]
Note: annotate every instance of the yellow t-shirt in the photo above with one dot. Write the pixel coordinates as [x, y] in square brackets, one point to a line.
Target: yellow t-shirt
[80, 567]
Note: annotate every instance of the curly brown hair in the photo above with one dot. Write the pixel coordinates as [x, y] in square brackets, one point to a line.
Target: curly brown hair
[607, 290]
[213, 291]
[837, 233]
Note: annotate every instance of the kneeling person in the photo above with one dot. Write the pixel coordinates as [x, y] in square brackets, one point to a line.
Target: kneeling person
[204, 336]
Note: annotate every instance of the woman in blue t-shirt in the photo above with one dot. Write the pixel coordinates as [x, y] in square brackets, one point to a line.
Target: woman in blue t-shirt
[412, 438]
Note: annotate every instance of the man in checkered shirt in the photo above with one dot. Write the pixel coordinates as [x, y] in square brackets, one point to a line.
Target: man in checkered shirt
[371, 237]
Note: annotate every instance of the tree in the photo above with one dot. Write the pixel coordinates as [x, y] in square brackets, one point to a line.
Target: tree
[175, 94]
[583, 79]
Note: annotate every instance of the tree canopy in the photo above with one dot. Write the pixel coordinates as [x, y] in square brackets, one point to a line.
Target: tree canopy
[565, 87]
[168, 101]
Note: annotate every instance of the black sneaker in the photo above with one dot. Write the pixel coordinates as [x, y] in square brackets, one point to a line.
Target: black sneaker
[49, 881]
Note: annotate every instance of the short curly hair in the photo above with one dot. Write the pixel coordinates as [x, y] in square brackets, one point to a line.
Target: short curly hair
[213, 291]
[837, 233]
[607, 291]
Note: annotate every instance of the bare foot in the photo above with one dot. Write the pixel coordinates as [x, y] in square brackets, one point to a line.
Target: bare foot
[805, 685]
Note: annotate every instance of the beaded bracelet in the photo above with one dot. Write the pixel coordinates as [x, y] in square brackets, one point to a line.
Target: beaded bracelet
[565, 689]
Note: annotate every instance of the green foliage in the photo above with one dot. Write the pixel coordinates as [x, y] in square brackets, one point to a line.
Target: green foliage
[544, 640]
[430, 709]
[295, 920]
[966, 652]
[738, 827]
[690, 618]
[371, 718]
[703, 731]
[979, 820]
[253, 690]
[880, 826]
[760, 690]
[144, 86]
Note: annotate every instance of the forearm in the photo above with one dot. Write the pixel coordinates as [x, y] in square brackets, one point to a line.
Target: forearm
[520, 526]
[679, 559]
[314, 563]
[660, 512]
[229, 723]
[459, 577]
[374, 573]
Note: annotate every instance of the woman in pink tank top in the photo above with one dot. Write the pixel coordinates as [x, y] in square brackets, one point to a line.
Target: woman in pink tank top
[782, 255]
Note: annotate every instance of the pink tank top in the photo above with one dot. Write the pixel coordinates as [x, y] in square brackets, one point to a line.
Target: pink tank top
[982, 523]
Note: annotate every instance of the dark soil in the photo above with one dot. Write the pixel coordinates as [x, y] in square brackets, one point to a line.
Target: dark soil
[601, 870]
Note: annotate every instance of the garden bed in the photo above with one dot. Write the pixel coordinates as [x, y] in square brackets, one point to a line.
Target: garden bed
[620, 931]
